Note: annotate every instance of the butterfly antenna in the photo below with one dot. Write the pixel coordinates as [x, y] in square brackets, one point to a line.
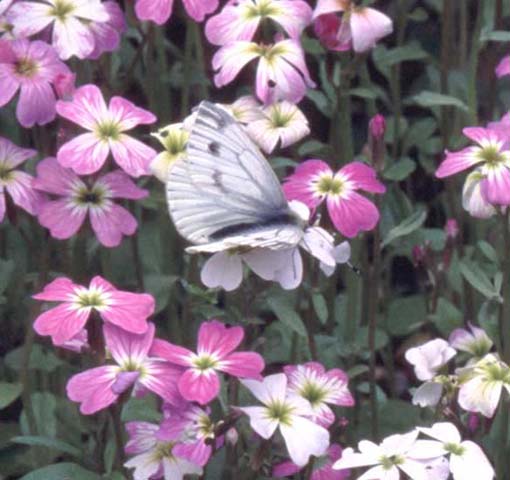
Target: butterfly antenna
[356, 270]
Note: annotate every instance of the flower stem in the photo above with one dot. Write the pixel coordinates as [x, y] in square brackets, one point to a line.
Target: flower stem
[504, 319]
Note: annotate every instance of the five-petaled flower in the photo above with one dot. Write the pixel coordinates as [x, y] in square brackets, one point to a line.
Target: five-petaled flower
[16, 183]
[174, 138]
[126, 310]
[99, 387]
[313, 181]
[76, 199]
[87, 152]
[159, 11]
[429, 358]
[215, 352]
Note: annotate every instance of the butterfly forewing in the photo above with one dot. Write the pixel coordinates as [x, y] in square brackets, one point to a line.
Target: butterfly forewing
[225, 186]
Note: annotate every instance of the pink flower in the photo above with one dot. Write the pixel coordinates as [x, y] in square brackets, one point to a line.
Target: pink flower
[76, 200]
[99, 387]
[107, 34]
[215, 352]
[326, 27]
[69, 20]
[31, 68]
[240, 20]
[153, 458]
[493, 155]
[281, 73]
[159, 11]
[4, 5]
[361, 26]
[311, 382]
[502, 127]
[323, 468]
[65, 322]
[503, 67]
[65, 85]
[16, 183]
[313, 181]
[87, 152]
[451, 228]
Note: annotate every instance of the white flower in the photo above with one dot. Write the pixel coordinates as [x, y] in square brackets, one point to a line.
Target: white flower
[303, 437]
[245, 109]
[341, 254]
[466, 459]
[473, 199]
[474, 341]
[428, 358]
[385, 459]
[173, 137]
[482, 383]
[428, 394]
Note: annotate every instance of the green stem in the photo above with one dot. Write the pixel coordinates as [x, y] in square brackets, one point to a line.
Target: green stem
[504, 319]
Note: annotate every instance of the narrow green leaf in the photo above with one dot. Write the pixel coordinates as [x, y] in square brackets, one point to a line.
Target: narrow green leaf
[287, 315]
[61, 471]
[433, 99]
[477, 278]
[320, 306]
[409, 225]
[42, 441]
[9, 392]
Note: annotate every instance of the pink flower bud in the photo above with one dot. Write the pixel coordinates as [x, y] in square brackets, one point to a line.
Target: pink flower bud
[64, 84]
[377, 126]
[451, 228]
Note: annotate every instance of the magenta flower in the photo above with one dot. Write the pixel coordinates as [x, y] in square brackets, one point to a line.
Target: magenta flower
[69, 20]
[76, 200]
[31, 68]
[322, 470]
[493, 155]
[360, 27]
[159, 11]
[326, 28]
[503, 67]
[240, 20]
[313, 181]
[99, 387]
[65, 322]
[87, 152]
[215, 352]
[311, 382]
[107, 34]
[16, 183]
[281, 73]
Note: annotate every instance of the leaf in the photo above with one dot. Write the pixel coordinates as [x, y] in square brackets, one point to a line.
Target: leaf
[477, 278]
[385, 58]
[447, 316]
[400, 170]
[287, 315]
[363, 92]
[40, 359]
[406, 314]
[433, 99]
[62, 471]
[42, 441]
[407, 226]
[312, 146]
[495, 36]
[9, 392]
[44, 408]
[321, 101]
[6, 270]
[320, 307]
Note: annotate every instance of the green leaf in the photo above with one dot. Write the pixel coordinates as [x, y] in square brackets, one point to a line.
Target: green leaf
[44, 406]
[447, 316]
[287, 315]
[489, 251]
[433, 99]
[312, 146]
[406, 314]
[495, 36]
[54, 443]
[478, 279]
[321, 101]
[62, 471]
[385, 58]
[363, 92]
[400, 170]
[320, 306]
[9, 392]
[40, 359]
[407, 226]
[356, 371]
[6, 270]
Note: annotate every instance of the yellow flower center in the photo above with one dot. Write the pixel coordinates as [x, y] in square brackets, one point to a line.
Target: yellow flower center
[491, 155]
[328, 185]
[313, 393]
[280, 412]
[107, 131]
[90, 196]
[62, 9]
[25, 67]
[262, 8]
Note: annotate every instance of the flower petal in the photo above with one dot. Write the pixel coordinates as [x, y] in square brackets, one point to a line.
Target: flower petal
[133, 156]
[223, 269]
[199, 386]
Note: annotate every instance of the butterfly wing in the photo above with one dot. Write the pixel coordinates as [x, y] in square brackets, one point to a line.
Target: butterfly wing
[225, 188]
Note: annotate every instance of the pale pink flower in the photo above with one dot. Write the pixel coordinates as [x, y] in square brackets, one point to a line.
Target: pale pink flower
[16, 183]
[281, 73]
[313, 181]
[502, 127]
[493, 155]
[174, 138]
[107, 34]
[65, 85]
[386, 459]
[31, 68]
[319, 387]
[322, 469]
[360, 26]
[281, 123]
[503, 67]
[99, 387]
[87, 152]
[429, 358]
[215, 352]
[153, 458]
[245, 109]
[240, 20]
[466, 459]
[159, 11]
[4, 5]
[77, 199]
[67, 320]
[288, 413]
[69, 20]
[474, 200]
[472, 340]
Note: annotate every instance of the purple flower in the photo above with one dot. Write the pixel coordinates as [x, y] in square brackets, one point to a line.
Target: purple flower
[159, 11]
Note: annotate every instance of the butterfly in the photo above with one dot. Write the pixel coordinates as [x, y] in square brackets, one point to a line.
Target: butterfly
[224, 194]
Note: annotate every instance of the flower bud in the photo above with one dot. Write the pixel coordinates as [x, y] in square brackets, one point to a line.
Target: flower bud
[377, 129]
[231, 437]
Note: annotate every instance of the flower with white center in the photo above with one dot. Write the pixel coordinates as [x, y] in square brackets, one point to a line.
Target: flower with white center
[215, 353]
[281, 122]
[429, 358]
[66, 321]
[174, 138]
[288, 414]
[481, 385]
[153, 458]
[466, 459]
[99, 387]
[386, 459]
[69, 20]
[472, 340]
[319, 387]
